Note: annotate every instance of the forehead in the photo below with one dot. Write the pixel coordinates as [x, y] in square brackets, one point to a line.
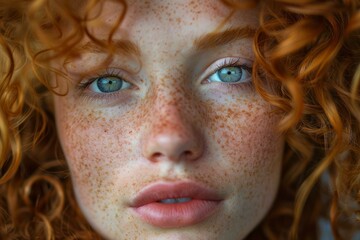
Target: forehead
[170, 30]
[172, 18]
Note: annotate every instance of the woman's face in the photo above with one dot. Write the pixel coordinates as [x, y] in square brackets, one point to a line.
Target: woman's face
[170, 141]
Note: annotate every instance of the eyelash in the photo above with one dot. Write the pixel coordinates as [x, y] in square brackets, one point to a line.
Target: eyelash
[233, 62]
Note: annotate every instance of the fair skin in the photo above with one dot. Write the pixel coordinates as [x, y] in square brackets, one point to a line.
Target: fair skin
[172, 121]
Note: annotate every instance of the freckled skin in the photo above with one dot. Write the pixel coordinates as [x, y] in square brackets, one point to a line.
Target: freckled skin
[224, 137]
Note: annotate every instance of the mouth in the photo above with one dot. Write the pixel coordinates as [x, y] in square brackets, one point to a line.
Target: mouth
[175, 200]
[174, 205]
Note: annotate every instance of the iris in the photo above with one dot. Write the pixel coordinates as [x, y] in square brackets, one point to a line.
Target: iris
[109, 84]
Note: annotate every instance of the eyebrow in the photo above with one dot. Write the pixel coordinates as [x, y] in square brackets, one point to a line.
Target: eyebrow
[212, 40]
[124, 46]
[209, 40]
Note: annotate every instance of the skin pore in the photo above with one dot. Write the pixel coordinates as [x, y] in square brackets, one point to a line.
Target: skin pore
[170, 121]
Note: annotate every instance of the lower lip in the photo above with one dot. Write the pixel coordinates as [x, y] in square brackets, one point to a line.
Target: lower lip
[177, 214]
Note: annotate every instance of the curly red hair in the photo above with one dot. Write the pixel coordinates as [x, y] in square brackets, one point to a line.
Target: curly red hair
[307, 65]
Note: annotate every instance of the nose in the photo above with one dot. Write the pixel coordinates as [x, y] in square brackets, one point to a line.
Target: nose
[172, 136]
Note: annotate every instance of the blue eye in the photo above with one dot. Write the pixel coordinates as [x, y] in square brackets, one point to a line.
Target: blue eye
[108, 84]
[231, 74]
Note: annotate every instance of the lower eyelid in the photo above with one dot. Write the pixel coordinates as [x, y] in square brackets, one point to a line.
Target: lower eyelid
[223, 89]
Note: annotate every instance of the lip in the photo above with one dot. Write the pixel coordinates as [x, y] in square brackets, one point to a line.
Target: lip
[204, 202]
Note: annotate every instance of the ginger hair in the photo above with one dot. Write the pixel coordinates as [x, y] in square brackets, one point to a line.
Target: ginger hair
[307, 65]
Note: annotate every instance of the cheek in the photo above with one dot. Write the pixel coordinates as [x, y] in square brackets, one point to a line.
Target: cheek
[97, 148]
[246, 139]
[246, 133]
[248, 150]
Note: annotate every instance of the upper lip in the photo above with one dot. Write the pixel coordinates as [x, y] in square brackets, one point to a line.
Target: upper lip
[165, 190]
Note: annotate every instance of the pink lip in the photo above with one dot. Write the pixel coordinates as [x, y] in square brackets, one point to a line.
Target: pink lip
[203, 204]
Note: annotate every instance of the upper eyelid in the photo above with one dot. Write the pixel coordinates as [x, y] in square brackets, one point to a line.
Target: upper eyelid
[230, 64]
[110, 72]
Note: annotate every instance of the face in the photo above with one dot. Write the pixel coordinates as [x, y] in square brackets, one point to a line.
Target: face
[171, 141]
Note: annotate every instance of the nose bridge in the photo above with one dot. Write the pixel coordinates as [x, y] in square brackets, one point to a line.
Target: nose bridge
[170, 98]
[172, 133]
[171, 108]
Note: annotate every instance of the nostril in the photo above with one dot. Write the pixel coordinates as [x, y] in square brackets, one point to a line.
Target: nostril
[157, 155]
[188, 153]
